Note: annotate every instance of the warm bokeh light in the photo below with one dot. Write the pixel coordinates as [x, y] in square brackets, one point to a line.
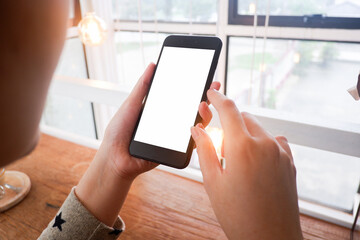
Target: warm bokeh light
[296, 57]
[92, 30]
[252, 8]
[217, 136]
[262, 67]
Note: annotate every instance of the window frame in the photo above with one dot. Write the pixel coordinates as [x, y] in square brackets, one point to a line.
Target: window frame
[72, 32]
[73, 22]
[305, 21]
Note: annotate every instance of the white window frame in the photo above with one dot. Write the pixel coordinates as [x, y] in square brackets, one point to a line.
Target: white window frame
[105, 90]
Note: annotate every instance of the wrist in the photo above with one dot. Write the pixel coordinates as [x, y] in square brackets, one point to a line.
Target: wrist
[102, 191]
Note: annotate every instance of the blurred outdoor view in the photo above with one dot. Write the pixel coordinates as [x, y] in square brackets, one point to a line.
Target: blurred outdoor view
[302, 77]
[70, 114]
[329, 8]
[129, 58]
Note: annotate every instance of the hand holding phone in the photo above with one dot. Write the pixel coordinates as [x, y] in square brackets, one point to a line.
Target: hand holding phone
[184, 72]
[104, 186]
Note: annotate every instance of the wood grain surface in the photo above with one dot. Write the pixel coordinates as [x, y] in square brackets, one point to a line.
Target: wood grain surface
[160, 205]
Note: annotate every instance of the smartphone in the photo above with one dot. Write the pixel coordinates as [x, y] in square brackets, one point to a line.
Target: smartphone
[184, 72]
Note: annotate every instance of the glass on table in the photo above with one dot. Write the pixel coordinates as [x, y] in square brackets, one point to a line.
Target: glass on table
[11, 185]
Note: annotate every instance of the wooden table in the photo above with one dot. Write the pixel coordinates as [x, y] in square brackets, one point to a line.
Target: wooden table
[160, 205]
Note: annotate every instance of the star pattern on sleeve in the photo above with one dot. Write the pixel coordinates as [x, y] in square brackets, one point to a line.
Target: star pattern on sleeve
[115, 232]
[58, 221]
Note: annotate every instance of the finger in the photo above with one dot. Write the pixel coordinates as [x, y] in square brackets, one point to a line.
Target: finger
[230, 117]
[216, 86]
[138, 93]
[209, 163]
[284, 144]
[205, 113]
[129, 111]
[200, 126]
[253, 125]
[204, 109]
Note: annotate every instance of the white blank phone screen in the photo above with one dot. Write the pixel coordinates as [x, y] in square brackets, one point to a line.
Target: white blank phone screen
[174, 97]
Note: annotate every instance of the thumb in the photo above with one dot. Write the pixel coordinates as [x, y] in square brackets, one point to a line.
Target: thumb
[209, 162]
[138, 93]
[130, 109]
[125, 118]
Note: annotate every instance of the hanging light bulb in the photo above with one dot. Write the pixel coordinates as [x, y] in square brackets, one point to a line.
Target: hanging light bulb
[92, 29]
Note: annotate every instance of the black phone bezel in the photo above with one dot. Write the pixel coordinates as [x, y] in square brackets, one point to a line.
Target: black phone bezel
[166, 156]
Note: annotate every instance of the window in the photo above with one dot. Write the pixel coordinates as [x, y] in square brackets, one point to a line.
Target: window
[68, 113]
[132, 56]
[325, 177]
[300, 77]
[308, 13]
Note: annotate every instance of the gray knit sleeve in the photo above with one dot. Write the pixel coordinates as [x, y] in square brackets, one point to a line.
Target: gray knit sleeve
[74, 221]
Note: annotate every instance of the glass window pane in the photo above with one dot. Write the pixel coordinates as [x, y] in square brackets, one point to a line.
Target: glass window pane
[330, 8]
[307, 78]
[129, 57]
[72, 61]
[167, 10]
[301, 77]
[325, 177]
[69, 114]
[66, 113]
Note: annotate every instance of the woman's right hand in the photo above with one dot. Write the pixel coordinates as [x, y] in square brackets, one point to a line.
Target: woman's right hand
[255, 196]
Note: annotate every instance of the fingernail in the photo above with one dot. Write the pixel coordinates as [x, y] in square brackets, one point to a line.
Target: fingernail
[195, 132]
[285, 139]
